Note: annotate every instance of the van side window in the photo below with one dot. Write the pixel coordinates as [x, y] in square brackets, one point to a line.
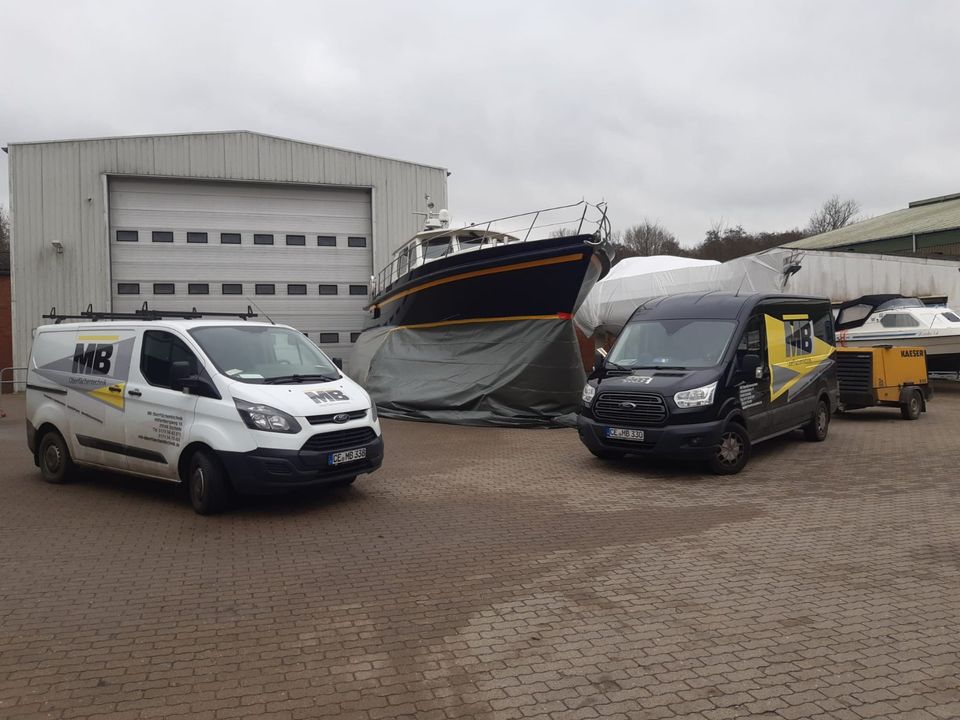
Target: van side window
[751, 342]
[159, 351]
[823, 326]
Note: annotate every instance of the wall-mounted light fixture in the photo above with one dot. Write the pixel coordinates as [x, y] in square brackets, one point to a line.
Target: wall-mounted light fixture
[58, 246]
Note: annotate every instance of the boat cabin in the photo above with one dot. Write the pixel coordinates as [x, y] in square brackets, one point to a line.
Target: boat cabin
[892, 311]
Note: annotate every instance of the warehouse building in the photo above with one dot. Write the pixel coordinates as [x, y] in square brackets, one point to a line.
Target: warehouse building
[926, 228]
[215, 221]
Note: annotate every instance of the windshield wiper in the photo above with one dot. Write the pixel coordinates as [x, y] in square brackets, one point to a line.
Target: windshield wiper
[659, 367]
[283, 379]
[616, 366]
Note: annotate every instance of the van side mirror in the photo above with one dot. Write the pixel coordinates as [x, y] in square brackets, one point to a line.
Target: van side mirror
[751, 366]
[180, 372]
[184, 376]
[598, 358]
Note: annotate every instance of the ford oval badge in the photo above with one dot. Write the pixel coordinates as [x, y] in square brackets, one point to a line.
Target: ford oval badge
[341, 418]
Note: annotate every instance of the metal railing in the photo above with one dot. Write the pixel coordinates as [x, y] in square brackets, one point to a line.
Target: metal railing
[15, 383]
[581, 218]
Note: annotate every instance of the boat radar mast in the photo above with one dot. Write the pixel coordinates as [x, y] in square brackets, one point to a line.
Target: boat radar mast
[434, 220]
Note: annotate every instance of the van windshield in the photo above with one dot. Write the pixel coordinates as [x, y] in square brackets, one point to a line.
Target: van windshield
[264, 354]
[681, 344]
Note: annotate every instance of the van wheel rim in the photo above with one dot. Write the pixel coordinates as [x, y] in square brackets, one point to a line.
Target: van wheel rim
[731, 448]
[199, 484]
[52, 458]
[821, 420]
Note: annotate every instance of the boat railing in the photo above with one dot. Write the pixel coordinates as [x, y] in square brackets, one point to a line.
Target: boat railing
[581, 218]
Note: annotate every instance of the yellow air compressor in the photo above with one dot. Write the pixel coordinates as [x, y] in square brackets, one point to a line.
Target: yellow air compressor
[884, 375]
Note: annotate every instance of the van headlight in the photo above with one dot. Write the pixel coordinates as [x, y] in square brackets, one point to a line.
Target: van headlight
[266, 418]
[373, 410]
[588, 392]
[697, 397]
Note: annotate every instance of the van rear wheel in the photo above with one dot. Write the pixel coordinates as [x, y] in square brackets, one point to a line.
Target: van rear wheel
[732, 452]
[207, 483]
[56, 465]
[816, 429]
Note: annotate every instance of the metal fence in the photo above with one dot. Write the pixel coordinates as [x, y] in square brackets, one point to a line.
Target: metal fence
[12, 382]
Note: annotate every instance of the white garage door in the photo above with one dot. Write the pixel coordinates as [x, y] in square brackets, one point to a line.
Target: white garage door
[302, 254]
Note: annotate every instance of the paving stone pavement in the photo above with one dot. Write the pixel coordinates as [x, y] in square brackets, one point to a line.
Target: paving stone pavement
[489, 573]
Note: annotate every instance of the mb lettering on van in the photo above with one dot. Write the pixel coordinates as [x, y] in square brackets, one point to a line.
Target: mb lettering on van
[322, 396]
[92, 358]
[799, 337]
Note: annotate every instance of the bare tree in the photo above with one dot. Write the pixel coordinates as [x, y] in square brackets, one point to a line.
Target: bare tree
[563, 232]
[835, 213]
[650, 238]
[4, 231]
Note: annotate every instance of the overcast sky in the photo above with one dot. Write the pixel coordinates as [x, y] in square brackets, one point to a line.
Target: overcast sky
[687, 113]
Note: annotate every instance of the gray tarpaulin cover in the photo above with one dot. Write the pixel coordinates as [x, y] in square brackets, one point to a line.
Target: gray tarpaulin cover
[520, 373]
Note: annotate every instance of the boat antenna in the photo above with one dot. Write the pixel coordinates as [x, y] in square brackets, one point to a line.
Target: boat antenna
[260, 310]
[737, 293]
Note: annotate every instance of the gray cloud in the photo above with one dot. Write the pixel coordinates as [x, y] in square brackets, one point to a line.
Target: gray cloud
[686, 112]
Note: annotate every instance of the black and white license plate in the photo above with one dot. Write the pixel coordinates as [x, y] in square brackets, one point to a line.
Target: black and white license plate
[338, 458]
[623, 434]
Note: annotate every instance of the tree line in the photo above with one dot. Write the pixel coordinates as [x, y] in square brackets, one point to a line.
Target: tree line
[4, 231]
[723, 242]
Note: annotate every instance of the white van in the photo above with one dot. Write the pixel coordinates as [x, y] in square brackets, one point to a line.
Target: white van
[220, 404]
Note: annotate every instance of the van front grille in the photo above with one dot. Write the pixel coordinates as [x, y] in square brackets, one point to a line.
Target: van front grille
[630, 407]
[324, 419]
[339, 440]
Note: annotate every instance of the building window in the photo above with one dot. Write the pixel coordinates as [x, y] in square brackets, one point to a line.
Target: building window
[354, 337]
[229, 238]
[128, 288]
[259, 239]
[356, 242]
[198, 288]
[329, 338]
[162, 236]
[326, 240]
[296, 289]
[163, 289]
[128, 236]
[296, 239]
[265, 289]
[358, 289]
[328, 289]
[196, 237]
[232, 289]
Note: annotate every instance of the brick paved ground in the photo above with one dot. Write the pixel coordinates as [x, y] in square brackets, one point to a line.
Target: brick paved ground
[500, 574]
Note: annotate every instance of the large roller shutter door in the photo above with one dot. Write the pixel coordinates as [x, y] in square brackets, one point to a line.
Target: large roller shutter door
[302, 254]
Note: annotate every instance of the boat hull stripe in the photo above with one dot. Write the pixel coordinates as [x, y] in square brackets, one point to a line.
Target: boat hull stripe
[574, 257]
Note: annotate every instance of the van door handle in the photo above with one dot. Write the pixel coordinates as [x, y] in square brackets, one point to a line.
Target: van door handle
[135, 393]
[115, 388]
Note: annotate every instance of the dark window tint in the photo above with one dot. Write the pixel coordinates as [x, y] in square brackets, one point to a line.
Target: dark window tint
[265, 289]
[128, 288]
[952, 317]
[327, 240]
[328, 289]
[296, 289]
[162, 236]
[163, 289]
[160, 351]
[356, 242]
[230, 238]
[296, 239]
[198, 289]
[196, 237]
[263, 239]
[898, 320]
[128, 236]
[354, 337]
[358, 289]
[232, 289]
[329, 338]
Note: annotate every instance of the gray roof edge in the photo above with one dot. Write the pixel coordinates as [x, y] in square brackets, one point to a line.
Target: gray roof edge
[221, 132]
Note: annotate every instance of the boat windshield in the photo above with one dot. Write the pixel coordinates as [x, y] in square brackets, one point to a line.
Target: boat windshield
[435, 248]
[898, 303]
[264, 354]
[681, 344]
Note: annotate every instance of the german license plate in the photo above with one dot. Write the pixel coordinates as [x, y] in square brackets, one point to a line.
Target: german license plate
[624, 434]
[338, 458]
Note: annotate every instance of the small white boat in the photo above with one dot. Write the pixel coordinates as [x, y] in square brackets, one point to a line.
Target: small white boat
[896, 320]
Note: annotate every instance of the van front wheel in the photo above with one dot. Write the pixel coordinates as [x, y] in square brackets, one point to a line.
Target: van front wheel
[207, 482]
[56, 465]
[816, 429]
[732, 452]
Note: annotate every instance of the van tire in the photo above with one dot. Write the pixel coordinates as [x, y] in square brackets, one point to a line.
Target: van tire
[732, 452]
[56, 465]
[816, 430]
[911, 409]
[608, 454]
[207, 484]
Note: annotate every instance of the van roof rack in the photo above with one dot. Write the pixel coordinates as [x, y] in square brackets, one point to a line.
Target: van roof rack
[144, 313]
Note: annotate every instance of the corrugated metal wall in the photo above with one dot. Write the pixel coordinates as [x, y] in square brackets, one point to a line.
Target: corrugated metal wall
[58, 194]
